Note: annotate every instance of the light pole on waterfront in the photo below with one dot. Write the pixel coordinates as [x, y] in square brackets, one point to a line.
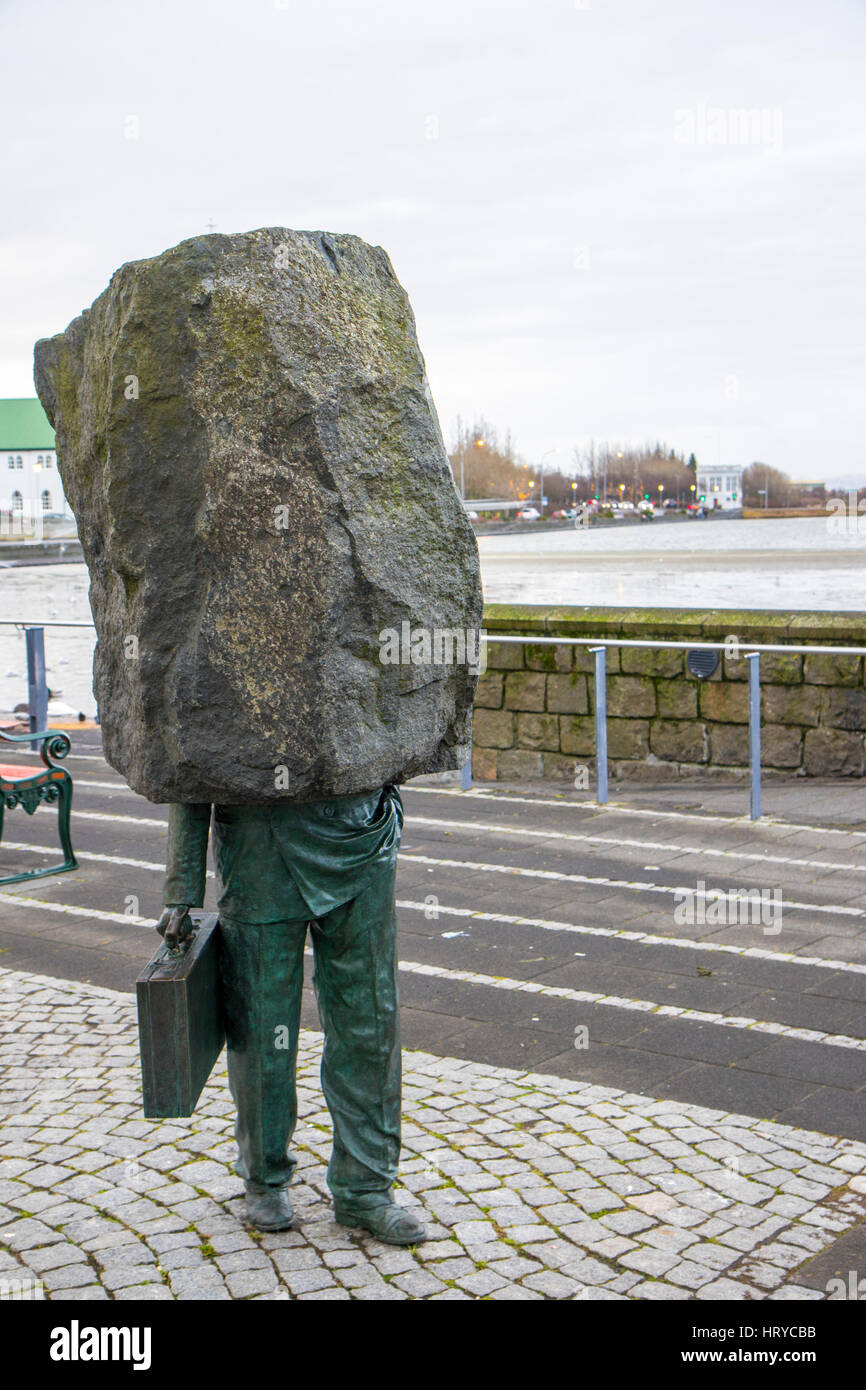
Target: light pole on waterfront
[479, 444]
[765, 490]
[604, 489]
[554, 450]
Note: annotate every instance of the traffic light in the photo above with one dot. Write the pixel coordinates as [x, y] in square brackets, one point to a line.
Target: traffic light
[646, 497]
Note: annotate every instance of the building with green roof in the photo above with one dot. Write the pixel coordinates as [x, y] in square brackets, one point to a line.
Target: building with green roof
[30, 485]
[24, 425]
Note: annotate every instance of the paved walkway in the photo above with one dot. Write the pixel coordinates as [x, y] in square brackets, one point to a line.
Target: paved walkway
[557, 959]
[525, 913]
[532, 1186]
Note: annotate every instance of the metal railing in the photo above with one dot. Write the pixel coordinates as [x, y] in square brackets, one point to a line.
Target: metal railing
[38, 690]
[37, 685]
[598, 647]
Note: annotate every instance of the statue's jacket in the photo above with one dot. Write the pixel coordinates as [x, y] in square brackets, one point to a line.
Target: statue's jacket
[282, 860]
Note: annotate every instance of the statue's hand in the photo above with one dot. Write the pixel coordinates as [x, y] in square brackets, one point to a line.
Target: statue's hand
[174, 926]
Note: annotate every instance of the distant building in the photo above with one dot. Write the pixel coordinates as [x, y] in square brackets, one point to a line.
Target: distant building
[807, 494]
[720, 488]
[30, 486]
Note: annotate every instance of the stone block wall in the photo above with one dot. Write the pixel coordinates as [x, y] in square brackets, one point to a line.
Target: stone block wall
[535, 705]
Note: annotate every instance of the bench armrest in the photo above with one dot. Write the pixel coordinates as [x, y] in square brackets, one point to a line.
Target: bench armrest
[54, 743]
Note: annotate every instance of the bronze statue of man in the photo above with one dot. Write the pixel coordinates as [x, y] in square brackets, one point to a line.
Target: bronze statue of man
[330, 865]
[284, 584]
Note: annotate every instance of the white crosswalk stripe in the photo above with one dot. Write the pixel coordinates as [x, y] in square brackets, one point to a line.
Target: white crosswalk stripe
[541, 923]
[583, 996]
[616, 843]
[123, 820]
[594, 809]
[632, 937]
[633, 885]
[72, 910]
[86, 854]
[578, 996]
[591, 808]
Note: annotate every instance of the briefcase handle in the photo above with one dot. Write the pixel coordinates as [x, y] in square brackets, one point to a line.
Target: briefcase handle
[177, 928]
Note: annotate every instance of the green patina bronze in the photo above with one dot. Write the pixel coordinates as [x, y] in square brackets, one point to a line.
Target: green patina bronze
[330, 866]
[246, 435]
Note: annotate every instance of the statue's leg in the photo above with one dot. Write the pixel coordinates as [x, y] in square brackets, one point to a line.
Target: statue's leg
[356, 986]
[263, 975]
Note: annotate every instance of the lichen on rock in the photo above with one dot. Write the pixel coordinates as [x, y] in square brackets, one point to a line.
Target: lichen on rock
[246, 436]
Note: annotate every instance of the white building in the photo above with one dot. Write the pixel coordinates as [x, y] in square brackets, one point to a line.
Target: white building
[30, 486]
[720, 488]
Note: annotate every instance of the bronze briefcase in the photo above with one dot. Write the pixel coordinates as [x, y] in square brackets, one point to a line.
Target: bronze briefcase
[180, 1020]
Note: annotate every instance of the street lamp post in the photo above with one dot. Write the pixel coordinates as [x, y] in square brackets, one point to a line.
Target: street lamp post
[479, 444]
[37, 500]
[604, 489]
[554, 450]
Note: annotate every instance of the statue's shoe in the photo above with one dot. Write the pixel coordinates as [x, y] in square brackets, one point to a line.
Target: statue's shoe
[392, 1224]
[269, 1209]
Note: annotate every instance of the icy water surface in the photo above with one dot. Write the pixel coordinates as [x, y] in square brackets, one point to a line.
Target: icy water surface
[802, 564]
[799, 564]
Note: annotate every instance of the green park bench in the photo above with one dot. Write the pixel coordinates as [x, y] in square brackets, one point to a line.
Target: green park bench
[28, 785]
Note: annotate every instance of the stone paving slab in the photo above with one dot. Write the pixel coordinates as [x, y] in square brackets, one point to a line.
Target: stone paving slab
[531, 1186]
[657, 998]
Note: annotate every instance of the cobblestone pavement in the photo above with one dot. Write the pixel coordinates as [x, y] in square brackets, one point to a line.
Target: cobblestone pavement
[525, 914]
[532, 1186]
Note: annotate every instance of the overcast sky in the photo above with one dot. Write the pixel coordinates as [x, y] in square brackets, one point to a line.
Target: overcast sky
[584, 256]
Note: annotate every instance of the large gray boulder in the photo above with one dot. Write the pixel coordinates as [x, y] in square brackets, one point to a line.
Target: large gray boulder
[247, 439]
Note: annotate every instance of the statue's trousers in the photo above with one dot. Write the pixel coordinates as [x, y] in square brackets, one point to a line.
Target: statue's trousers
[330, 866]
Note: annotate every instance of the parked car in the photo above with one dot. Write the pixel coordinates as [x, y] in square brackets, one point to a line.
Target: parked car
[528, 514]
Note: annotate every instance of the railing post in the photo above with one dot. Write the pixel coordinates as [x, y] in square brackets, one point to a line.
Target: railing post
[37, 689]
[466, 769]
[754, 660]
[600, 723]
